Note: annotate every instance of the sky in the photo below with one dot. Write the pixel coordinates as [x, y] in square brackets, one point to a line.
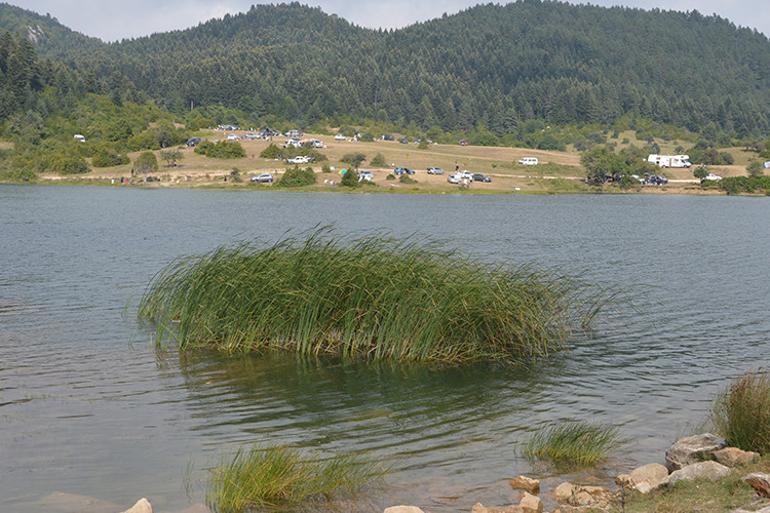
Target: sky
[116, 19]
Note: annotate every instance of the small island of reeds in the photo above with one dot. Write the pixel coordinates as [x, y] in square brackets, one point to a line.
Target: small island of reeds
[374, 297]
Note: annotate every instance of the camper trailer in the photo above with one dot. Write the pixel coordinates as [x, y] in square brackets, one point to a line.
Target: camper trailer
[672, 161]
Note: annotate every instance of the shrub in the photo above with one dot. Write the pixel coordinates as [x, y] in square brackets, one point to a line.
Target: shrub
[378, 161]
[373, 297]
[354, 159]
[406, 179]
[297, 177]
[69, 165]
[326, 169]
[755, 168]
[573, 445]
[171, 156]
[350, 179]
[272, 152]
[391, 177]
[423, 145]
[147, 162]
[700, 172]
[221, 150]
[741, 413]
[235, 175]
[109, 159]
[745, 184]
[280, 478]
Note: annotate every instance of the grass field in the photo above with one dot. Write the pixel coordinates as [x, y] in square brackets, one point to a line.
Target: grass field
[559, 172]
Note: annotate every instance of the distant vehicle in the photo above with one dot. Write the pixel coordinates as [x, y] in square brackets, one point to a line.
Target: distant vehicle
[767, 164]
[300, 159]
[150, 179]
[388, 137]
[655, 180]
[294, 134]
[403, 171]
[293, 143]
[193, 142]
[711, 177]
[252, 137]
[478, 177]
[454, 179]
[365, 176]
[529, 161]
[263, 178]
[435, 171]
[467, 175]
[80, 138]
[232, 137]
[638, 178]
[404, 140]
[671, 161]
[464, 142]
[340, 137]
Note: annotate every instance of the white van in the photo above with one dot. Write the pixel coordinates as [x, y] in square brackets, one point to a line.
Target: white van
[529, 161]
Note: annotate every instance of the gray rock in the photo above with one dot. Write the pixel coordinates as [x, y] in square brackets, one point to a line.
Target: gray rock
[760, 482]
[480, 508]
[693, 449]
[709, 470]
[644, 479]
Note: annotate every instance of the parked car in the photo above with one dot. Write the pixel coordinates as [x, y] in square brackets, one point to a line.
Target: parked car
[435, 171]
[263, 178]
[529, 161]
[655, 180]
[466, 175]
[478, 177]
[403, 171]
[365, 176]
[388, 137]
[340, 137]
[232, 137]
[300, 159]
[454, 179]
[193, 141]
[711, 177]
[404, 140]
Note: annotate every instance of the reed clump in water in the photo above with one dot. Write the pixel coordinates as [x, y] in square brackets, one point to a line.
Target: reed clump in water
[374, 297]
[281, 478]
[741, 413]
[573, 445]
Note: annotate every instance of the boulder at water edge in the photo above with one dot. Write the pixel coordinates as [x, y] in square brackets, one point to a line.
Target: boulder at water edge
[693, 449]
[480, 508]
[760, 482]
[733, 457]
[142, 506]
[645, 478]
[577, 495]
[526, 483]
[403, 509]
[709, 470]
[531, 504]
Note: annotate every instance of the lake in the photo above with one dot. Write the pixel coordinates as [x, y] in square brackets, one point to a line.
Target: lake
[88, 406]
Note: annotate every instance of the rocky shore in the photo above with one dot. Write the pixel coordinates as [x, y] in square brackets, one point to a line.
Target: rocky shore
[694, 459]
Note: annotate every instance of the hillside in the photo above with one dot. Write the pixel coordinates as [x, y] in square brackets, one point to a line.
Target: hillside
[495, 66]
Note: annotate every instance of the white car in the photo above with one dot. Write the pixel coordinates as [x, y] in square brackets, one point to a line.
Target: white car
[365, 176]
[529, 161]
[340, 137]
[301, 159]
[435, 171]
[232, 137]
[454, 179]
[263, 178]
[466, 175]
[711, 177]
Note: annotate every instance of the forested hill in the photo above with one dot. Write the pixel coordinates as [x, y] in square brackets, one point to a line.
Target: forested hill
[496, 65]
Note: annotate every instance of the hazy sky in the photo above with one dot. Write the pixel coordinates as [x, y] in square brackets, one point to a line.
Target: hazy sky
[112, 19]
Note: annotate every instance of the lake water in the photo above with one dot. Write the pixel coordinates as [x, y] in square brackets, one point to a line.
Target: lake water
[88, 407]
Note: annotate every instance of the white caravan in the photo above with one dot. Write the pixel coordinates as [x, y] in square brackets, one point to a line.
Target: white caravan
[673, 161]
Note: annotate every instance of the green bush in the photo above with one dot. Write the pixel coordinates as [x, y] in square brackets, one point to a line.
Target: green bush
[297, 177]
[274, 152]
[221, 150]
[378, 161]
[391, 177]
[406, 179]
[147, 162]
[755, 168]
[109, 159]
[700, 172]
[69, 165]
[326, 169]
[350, 179]
[746, 184]
[573, 445]
[741, 413]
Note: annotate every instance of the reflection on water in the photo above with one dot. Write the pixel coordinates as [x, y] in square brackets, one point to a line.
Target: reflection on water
[86, 406]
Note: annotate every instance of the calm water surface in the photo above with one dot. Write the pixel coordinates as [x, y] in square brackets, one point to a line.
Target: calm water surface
[88, 407]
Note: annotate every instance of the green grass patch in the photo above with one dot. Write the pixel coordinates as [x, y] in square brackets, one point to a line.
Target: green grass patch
[573, 445]
[373, 297]
[281, 478]
[741, 413]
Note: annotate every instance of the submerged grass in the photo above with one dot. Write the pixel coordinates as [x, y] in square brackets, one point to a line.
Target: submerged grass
[573, 445]
[373, 297]
[281, 478]
[741, 413]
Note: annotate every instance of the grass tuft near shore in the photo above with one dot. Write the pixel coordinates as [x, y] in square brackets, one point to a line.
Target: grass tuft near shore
[741, 413]
[282, 478]
[573, 445]
[373, 297]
